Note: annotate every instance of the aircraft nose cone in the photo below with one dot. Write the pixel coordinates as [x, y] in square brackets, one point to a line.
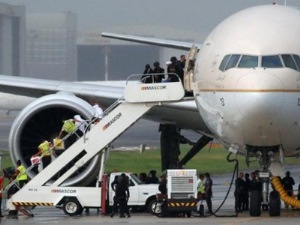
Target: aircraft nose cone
[259, 95]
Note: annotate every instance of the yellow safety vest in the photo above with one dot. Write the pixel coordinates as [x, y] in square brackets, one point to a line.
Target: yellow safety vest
[45, 148]
[201, 188]
[69, 126]
[22, 173]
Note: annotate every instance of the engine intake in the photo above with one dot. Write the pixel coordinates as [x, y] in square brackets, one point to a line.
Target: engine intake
[42, 119]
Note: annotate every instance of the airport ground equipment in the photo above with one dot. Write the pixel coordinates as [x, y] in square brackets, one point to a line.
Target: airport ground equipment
[182, 193]
[47, 187]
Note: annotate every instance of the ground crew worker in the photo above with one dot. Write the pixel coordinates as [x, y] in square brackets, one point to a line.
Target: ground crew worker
[201, 192]
[239, 192]
[116, 202]
[159, 72]
[69, 127]
[21, 174]
[174, 68]
[208, 192]
[288, 183]
[44, 150]
[81, 125]
[122, 193]
[98, 112]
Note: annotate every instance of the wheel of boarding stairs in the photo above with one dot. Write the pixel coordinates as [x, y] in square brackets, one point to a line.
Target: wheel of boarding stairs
[72, 207]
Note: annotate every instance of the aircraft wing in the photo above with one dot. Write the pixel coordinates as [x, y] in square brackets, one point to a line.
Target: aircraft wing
[33, 87]
[152, 41]
[184, 114]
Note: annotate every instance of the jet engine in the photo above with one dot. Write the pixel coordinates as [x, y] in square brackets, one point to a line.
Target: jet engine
[43, 119]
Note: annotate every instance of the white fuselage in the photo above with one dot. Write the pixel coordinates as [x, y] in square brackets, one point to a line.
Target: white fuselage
[254, 99]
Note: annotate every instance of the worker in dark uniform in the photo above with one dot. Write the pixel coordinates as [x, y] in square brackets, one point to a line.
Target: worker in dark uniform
[152, 178]
[239, 192]
[255, 184]
[162, 187]
[115, 204]
[159, 71]
[246, 190]
[147, 78]
[174, 68]
[208, 192]
[182, 61]
[288, 183]
[122, 195]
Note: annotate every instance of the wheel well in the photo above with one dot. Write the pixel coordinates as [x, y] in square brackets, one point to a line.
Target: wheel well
[150, 199]
[68, 198]
[153, 197]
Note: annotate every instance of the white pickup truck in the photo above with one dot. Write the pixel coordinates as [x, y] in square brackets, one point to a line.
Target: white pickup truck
[141, 195]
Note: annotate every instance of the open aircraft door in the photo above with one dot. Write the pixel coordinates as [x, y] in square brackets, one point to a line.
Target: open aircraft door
[189, 69]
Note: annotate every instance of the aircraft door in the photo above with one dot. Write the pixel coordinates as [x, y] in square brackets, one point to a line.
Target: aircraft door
[189, 69]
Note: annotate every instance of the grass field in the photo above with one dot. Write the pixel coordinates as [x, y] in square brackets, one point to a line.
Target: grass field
[211, 159]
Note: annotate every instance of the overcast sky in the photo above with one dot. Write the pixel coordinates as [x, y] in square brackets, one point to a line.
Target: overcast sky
[200, 16]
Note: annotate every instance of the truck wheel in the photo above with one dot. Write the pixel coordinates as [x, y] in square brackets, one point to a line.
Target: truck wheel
[151, 206]
[72, 207]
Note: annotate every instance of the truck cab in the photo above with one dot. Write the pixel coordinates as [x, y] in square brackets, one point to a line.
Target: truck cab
[141, 195]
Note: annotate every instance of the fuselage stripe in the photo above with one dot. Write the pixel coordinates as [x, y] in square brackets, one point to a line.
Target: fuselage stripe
[251, 90]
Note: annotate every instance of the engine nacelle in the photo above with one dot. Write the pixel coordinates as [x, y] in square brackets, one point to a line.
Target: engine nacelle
[43, 119]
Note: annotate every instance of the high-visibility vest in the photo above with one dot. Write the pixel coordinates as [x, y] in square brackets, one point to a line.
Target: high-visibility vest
[22, 173]
[45, 148]
[201, 188]
[69, 126]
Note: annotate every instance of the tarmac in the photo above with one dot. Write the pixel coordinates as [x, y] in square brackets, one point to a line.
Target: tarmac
[225, 216]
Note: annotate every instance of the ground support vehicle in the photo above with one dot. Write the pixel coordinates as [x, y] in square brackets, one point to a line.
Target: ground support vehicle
[48, 187]
[181, 197]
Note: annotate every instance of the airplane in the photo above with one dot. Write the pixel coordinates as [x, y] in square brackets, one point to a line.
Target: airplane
[245, 79]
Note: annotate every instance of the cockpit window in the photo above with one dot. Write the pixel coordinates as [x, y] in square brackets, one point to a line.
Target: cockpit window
[224, 62]
[251, 61]
[232, 61]
[248, 61]
[272, 61]
[297, 60]
[289, 61]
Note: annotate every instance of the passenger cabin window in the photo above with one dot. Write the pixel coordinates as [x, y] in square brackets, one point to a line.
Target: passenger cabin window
[248, 61]
[272, 61]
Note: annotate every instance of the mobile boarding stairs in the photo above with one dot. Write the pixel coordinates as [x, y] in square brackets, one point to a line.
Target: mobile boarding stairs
[47, 187]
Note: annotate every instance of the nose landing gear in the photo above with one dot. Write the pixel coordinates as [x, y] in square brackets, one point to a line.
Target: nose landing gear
[260, 198]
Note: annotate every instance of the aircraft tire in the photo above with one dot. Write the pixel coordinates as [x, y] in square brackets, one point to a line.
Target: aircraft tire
[255, 203]
[274, 204]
